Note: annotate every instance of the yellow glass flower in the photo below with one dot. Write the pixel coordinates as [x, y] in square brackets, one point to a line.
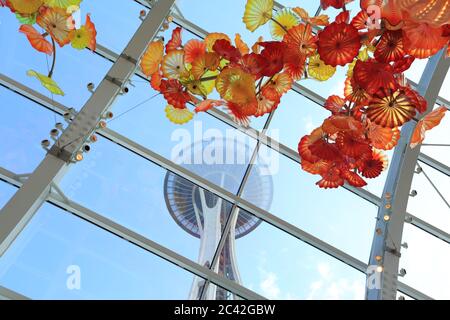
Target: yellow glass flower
[25, 6]
[319, 70]
[241, 45]
[173, 64]
[64, 4]
[55, 22]
[285, 18]
[80, 39]
[211, 39]
[152, 58]
[201, 65]
[200, 87]
[257, 13]
[196, 87]
[321, 20]
[363, 56]
[209, 85]
[178, 116]
[235, 85]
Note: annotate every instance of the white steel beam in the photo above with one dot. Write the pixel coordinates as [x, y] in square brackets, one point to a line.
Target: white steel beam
[20, 209]
[391, 215]
[439, 166]
[7, 294]
[429, 228]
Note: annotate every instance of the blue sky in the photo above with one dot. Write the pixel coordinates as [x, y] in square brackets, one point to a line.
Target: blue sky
[129, 189]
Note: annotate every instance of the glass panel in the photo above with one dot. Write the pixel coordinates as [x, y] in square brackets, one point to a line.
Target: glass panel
[297, 116]
[23, 125]
[414, 73]
[428, 205]
[6, 192]
[74, 68]
[115, 24]
[444, 89]
[59, 256]
[344, 220]
[334, 85]
[426, 262]
[136, 193]
[286, 268]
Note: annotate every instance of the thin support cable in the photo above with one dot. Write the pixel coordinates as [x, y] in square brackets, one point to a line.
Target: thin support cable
[433, 185]
[235, 209]
[134, 107]
[435, 145]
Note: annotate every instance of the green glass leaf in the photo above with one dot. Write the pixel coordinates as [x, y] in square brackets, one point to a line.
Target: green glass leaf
[47, 82]
[27, 18]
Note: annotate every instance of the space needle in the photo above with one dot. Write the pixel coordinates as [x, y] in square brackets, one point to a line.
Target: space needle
[203, 215]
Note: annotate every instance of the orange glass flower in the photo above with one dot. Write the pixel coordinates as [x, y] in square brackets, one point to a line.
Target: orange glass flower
[390, 108]
[433, 12]
[36, 40]
[194, 49]
[421, 40]
[352, 145]
[390, 47]
[277, 86]
[175, 42]
[152, 58]
[236, 86]
[353, 178]
[338, 44]
[174, 93]
[381, 137]
[331, 179]
[374, 166]
[55, 22]
[372, 76]
[300, 38]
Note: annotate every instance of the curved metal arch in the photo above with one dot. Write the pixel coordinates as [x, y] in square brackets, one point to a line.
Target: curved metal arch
[382, 283]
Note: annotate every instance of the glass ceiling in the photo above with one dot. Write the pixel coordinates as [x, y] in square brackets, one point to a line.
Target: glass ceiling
[126, 185]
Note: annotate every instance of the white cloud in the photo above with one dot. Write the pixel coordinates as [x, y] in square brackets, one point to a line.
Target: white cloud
[269, 286]
[308, 123]
[324, 270]
[337, 89]
[269, 283]
[330, 287]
